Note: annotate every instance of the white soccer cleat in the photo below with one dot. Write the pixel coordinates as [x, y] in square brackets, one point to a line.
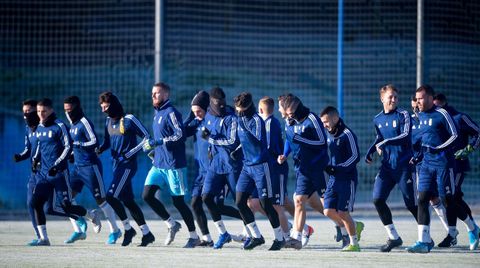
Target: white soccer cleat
[96, 222]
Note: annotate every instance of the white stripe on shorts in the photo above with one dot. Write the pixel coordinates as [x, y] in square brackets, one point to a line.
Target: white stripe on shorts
[121, 183]
[268, 179]
[99, 180]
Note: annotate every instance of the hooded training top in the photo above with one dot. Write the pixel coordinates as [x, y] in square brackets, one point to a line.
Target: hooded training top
[121, 137]
[344, 154]
[84, 141]
[393, 136]
[168, 126]
[253, 137]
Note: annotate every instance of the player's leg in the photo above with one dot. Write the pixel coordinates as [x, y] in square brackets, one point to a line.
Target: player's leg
[31, 209]
[40, 197]
[226, 210]
[406, 183]
[197, 207]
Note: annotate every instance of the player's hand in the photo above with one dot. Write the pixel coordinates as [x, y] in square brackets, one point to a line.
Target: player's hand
[330, 170]
[462, 154]
[368, 159]
[16, 157]
[281, 159]
[52, 171]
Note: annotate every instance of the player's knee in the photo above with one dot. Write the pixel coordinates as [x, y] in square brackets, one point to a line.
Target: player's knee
[424, 198]
[147, 195]
[379, 202]
[329, 212]
[178, 201]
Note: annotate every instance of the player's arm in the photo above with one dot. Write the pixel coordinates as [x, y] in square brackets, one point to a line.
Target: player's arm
[191, 124]
[472, 129]
[89, 134]
[254, 130]
[66, 143]
[373, 147]
[405, 127]
[140, 131]
[178, 136]
[25, 154]
[352, 151]
[451, 128]
[317, 136]
[106, 139]
[230, 136]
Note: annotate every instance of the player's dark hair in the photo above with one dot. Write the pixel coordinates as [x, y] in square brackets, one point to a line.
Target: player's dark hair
[217, 93]
[30, 102]
[440, 97]
[428, 90]
[330, 111]
[163, 87]
[243, 100]
[413, 98]
[74, 100]
[45, 102]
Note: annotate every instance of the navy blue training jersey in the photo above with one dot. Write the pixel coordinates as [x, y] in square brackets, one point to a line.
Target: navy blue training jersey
[84, 140]
[344, 154]
[200, 143]
[253, 137]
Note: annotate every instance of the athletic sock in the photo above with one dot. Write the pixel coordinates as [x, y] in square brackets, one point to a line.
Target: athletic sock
[305, 229]
[144, 228]
[220, 227]
[392, 232]
[286, 235]
[469, 224]
[254, 230]
[76, 228]
[170, 222]
[424, 234]
[278, 233]
[207, 237]
[452, 231]
[42, 230]
[296, 235]
[442, 214]
[247, 231]
[343, 230]
[353, 240]
[126, 224]
[193, 235]
[110, 215]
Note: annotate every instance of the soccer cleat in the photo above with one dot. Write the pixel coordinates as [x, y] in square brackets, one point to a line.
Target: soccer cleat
[391, 244]
[351, 248]
[449, 241]
[192, 242]
[222, 240]
[172, 232]
[293, 243]
[359, 226]
[43, 242]
[206, 244]
[96, 222]
[277, 245]
[247, 241]
[338, 237]
[82, 224]
[147, 239]
[345, 240]
[113, 237]
[127, 238]
[430, 245]
[254, 242]
[473, 238]
[419, 247]
[240, 238]
[33, 242]
[306, 235]
[74, 237]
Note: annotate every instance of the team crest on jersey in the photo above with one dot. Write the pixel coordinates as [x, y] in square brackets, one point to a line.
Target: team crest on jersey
[160, 120]
[394, 123]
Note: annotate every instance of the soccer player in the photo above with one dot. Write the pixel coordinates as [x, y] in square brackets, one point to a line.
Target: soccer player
[121, 131]
[437, 137]
[344, 156]
[88, 170]
[393, 143]
[466, 128]
[195, 126]
[169, 164]
[221, 132]
[306, 139]
[53, 148]
[257, 173]
[29, 108]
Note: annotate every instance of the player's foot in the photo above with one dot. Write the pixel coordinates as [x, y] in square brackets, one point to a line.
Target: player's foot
[74, 237]
[82, 224]
[247, 241]
[449, 241]
[419, 247]
[240, 238]
[345, 240]
[277, 245]
[205, 244]
[293, 243]
[192, 242]
[351, 248]
[96, 222]
[222, 240]
[430, 245]
[473, 238]
[254, 242]
[33, 242]
[43, 242]
[359, 226]
[391, 244]
[172, 232]
[306, 235]
[127, 238]
[147, 239]
[338, 237]
[113, 237]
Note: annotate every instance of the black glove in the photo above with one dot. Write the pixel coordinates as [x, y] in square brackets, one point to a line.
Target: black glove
[190, 117]
[71, 158]
[98, 151]
[52, 171]
[17, 158]
[330, 169]
[35, 166]
[205, 133]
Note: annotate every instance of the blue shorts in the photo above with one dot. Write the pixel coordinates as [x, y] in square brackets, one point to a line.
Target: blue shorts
[90, 176]
[386, 179]
[308, 183]
[436, 180]
[215, 183]
[262, 179]
[340, 195]
[121, 186]
[57, 186]
[174, 179]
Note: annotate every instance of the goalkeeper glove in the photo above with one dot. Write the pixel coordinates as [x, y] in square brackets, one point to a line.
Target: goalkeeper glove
[463, 153]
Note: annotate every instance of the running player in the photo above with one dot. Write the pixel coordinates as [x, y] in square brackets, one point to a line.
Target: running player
[393, 143]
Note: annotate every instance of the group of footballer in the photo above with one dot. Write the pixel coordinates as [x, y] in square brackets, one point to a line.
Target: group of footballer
[242, 151]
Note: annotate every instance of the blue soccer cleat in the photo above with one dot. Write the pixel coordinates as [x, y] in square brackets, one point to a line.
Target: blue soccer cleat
[222, 240]
[419, 247]
[43, 243]
[473, 238]
[74, 237]
[33, 242]
[82, 224]
[113, 237]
